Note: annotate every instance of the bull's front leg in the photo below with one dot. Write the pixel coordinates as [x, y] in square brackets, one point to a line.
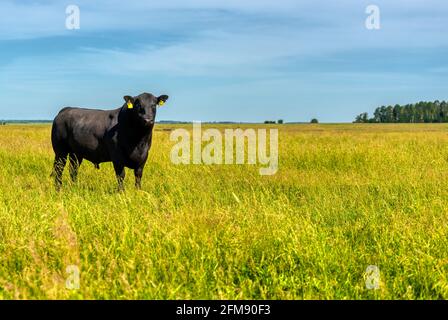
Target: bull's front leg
[138, 177]
[120, 173]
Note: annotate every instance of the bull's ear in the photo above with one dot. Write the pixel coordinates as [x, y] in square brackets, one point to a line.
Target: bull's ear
[162, 99]
[129, 101]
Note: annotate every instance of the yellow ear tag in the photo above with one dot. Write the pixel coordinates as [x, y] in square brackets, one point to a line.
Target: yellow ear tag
[161, 103]
[130, 105]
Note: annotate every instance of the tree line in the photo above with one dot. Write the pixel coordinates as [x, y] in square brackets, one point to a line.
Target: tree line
[421, 112]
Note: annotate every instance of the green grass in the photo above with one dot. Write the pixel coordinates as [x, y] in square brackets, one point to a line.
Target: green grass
[345, 197]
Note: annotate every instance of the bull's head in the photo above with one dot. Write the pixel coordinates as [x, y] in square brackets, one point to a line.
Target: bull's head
[143, 108]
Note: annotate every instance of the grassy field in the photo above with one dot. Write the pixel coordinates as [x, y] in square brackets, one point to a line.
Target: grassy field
[345, 197]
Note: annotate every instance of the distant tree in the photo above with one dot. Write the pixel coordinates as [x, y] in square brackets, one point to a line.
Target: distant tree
[383, 114]
[396, 112]
[376, 115]
[362, 118]
[280, 121]
[423, 111]
[389, 114]
[314, 120]
[269, 122]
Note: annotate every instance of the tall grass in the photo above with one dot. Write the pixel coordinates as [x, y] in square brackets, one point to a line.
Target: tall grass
[345, 197]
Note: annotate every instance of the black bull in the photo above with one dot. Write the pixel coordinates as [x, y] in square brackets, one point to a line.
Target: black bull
[123, 136]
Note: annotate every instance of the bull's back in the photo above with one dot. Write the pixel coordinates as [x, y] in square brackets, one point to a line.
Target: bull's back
[82, 131]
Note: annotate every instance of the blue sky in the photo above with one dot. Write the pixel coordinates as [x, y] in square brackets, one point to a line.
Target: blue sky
[238, 60]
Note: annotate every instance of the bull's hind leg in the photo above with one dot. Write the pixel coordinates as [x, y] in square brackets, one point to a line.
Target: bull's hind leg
[75, 162]
[58, 167]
